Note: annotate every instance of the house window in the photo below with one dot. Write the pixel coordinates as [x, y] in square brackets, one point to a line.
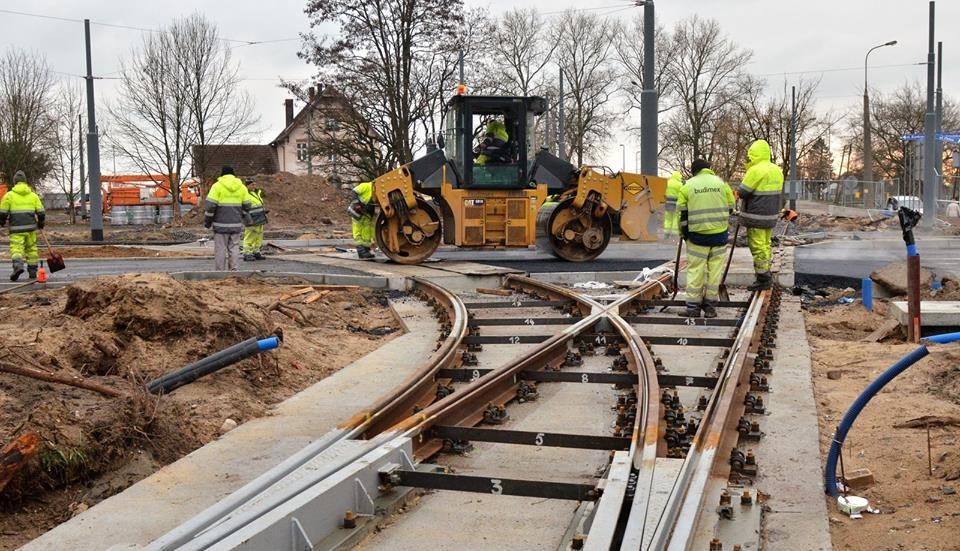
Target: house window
[333, 124]
[301, 151]
[332, 158]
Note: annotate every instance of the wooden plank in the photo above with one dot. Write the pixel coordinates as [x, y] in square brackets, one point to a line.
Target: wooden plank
[498, 292]
[287, 296]
[315, 297]
[881, 332]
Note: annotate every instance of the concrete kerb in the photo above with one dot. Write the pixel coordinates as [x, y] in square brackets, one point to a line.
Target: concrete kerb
[373, 282]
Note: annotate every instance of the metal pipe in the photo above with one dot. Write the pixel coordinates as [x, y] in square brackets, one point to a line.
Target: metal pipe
[93, 149]
[648, 96]
[929, 131]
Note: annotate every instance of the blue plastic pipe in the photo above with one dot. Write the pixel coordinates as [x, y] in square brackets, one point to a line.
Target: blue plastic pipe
[830, 474]
[867, 293]
[212, 363]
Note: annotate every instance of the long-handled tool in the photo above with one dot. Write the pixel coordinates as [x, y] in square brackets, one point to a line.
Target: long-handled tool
[722, 292]
[676, 273]
[54, 259]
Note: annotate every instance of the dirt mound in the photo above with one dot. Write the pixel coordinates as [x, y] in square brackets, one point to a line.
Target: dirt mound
[297, 200]
[121, 332]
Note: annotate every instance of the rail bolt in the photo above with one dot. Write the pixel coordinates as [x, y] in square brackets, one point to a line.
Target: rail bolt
[746, 498]
[349, 520]
[577, 542]
[715, 545]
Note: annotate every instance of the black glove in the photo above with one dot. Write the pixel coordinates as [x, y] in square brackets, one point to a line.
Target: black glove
[41, 219]
[208, 225]
[40, 224]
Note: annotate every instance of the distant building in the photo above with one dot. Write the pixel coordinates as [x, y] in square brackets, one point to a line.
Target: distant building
[246, 160]
[288, 152]
[294, 142]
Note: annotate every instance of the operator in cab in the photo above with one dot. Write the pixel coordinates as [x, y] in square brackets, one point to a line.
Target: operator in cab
[494, 147]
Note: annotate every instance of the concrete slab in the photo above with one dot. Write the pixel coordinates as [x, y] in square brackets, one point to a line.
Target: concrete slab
[789, 453]
[932, 314]
[157, 504]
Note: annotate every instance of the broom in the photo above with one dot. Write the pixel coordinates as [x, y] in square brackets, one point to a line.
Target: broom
[54, 259]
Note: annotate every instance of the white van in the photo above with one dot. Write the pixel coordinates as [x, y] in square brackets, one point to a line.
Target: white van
[912, 202]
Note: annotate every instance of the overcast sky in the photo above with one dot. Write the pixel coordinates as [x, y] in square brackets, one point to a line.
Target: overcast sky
[823, 38]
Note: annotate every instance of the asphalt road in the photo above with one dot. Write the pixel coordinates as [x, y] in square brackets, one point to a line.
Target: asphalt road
[848, 256]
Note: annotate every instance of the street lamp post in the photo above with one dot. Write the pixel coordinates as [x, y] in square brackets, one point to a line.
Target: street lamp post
[623, 158]
[867, 146]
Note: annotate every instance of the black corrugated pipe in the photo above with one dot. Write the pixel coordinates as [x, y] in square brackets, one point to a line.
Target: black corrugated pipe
[214, 362]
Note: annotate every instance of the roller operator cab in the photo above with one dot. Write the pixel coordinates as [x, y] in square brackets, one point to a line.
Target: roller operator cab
[488, 184]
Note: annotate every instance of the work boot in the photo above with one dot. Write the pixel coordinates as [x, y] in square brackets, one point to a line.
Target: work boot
[259, 256]
[32, 271]
[689, 312]
[17, 270]
[248, 257]
[709, 310]
[363, 253]
[764, 281]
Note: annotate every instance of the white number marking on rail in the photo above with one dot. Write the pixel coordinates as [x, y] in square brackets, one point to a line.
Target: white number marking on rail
[529, 321]
[497, 488]
[584, 378]
[601, 339]
[689, 381]
[690, 321]
[682, 341]
[476, 375]
[518, 303]
[514, 340]
[539, 439]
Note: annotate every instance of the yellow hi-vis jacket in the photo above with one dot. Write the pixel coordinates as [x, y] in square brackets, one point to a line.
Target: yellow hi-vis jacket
[761, 188]
[258, 213]
[670, 215]
[706, 200]
[23, 207]
[227, 206]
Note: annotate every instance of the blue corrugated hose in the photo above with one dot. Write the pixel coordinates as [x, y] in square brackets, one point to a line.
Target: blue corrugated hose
[850, 416]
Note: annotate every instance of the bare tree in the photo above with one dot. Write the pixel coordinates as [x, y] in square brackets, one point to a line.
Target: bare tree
[220, 110]
[584, 44]
[375, 59]
[67, 134]
[25, 85]
[153, 122]
[629, 52]
[707, 75]
[521, 51]
[893, 115]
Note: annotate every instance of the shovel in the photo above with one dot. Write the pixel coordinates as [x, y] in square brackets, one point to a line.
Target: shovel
[676, 274]
[54, 259]
[724, 295]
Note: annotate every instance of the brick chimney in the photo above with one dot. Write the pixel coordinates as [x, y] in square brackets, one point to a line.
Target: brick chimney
[311, 93]
[288, 112]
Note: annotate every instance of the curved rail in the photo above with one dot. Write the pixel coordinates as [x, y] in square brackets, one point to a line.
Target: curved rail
[365, 424]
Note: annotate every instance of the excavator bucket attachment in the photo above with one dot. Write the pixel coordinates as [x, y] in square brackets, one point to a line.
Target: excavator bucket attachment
[642, 197]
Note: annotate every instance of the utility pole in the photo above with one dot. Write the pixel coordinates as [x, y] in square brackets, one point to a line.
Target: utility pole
[561, 148]
[794, 183]
[83, 178]
[93, 149]
[648, 96]
[939, 109]
[929, 131]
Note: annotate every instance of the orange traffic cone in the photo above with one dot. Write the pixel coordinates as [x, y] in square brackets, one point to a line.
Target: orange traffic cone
[41, 274]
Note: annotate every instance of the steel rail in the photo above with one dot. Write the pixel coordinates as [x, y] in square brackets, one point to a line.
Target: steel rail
[368, 423]
[677, 523]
